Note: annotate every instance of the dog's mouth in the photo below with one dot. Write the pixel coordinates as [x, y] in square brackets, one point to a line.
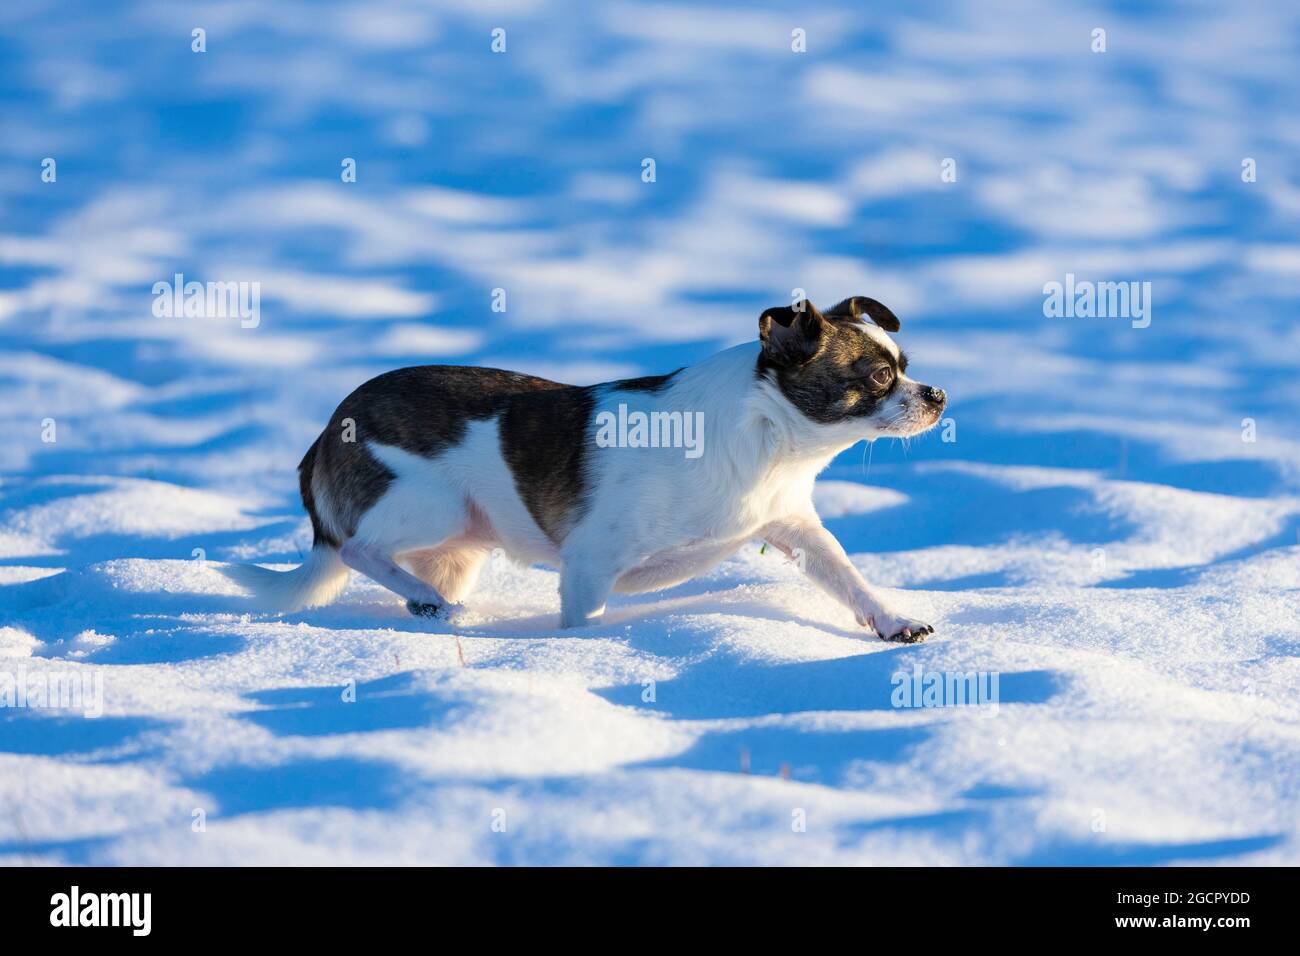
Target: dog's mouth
[911, 426]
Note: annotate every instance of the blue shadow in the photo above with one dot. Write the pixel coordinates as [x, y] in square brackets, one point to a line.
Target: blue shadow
[390, 703]
[342, 782]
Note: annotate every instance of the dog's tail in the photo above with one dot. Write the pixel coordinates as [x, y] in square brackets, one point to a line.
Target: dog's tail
[318, 580]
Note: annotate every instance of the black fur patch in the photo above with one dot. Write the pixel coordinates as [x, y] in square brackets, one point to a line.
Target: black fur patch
[823, 363]
[424, 410]
[320, 534]
[544, 439]
[648, 383]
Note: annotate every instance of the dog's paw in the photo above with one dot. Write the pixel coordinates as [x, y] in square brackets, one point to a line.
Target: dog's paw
[446, 613]
[420, 609]
[899, 629]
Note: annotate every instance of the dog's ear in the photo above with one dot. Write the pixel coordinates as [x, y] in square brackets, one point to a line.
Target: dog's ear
[791, 336]
[860, 305]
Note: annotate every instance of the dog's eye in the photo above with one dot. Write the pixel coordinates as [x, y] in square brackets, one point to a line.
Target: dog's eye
[882, 376]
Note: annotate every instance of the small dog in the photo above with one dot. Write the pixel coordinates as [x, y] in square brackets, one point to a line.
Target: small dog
[422, 471]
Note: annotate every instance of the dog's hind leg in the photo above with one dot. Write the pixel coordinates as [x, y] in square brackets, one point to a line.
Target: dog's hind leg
[422, 598]
[408, 518]
[452, 570]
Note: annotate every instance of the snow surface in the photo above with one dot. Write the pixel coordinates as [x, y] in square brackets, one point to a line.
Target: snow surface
[1098, 535]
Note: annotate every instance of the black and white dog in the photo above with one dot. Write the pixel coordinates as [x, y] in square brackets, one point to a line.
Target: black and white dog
[421, 472]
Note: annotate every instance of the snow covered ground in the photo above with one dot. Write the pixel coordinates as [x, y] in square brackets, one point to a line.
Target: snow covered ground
[1112, 534]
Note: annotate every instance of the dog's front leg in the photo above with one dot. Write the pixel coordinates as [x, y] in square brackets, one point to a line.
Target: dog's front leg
[585, 582]
[584, 589]
[820, 556]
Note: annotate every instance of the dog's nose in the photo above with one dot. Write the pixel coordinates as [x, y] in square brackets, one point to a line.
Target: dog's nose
[935, 396]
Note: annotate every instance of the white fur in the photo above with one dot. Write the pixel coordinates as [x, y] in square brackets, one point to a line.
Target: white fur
[879, 334]
[318, 580]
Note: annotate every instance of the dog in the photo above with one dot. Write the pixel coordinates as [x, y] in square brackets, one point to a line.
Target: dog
[423, 471]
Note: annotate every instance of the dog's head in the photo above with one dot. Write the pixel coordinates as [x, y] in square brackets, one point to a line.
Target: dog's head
[840, 368]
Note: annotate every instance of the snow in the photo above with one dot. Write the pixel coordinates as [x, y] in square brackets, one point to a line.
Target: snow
[1113, 530]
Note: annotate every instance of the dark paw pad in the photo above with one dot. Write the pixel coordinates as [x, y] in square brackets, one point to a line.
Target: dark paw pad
[911, 635]
[420, 609]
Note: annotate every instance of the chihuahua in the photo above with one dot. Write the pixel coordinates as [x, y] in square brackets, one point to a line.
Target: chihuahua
[423, 471]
